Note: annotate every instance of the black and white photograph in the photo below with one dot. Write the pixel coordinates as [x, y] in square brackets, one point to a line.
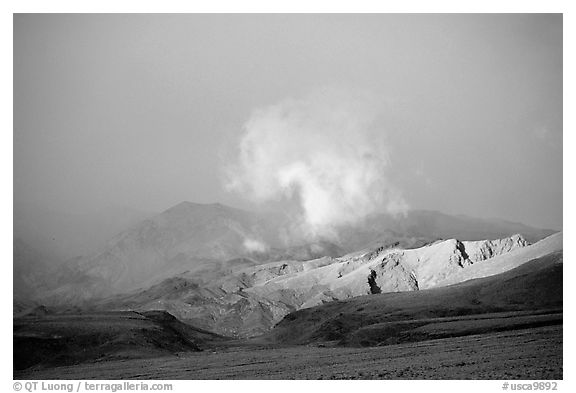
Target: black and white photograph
[280, 196]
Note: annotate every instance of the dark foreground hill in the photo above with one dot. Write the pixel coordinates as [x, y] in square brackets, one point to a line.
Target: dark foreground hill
[67, 339]
[524, 354]
[527, 296]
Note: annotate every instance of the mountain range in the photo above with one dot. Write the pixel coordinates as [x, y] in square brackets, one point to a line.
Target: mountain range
[234, 272]
[246, 300]
[192, 237]
[213, 278]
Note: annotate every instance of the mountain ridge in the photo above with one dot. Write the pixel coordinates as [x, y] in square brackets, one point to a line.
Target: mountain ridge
[192, 238]
[247, 300]
[534, 286]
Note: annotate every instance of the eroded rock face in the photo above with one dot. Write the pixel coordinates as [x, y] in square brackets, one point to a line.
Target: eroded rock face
[391, 275]
[480, 251]
[249, 300]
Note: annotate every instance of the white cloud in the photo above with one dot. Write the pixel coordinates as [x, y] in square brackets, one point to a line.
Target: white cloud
[253, 245]
[323, 150]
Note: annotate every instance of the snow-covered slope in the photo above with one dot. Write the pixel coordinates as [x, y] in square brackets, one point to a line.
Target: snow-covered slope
[527, 296]
[385, 270]
[247, 300]
[507, 261]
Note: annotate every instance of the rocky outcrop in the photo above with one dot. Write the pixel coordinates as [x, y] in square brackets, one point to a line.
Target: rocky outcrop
[391, 275]
[480, 251]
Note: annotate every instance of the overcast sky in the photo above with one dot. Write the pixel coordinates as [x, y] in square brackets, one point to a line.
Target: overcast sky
[146, 111]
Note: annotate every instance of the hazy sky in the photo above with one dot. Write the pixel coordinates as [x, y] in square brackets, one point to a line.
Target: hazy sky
[146, 111]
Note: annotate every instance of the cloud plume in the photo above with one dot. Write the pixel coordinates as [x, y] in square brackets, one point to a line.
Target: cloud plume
[322, 151]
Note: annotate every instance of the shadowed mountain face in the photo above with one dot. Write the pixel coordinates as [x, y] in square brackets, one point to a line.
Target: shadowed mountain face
[207, 240]
[528, 295]
[187, 237]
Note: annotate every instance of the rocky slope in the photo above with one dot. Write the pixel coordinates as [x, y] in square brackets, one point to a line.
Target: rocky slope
[508, 261]
[247, 300]
[529, 295]
[203, 239]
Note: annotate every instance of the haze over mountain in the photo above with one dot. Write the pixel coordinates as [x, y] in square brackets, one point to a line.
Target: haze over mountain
[236, 272]
[246, 300]
[380, 179]
[46, 239]
[59, 235]
[502, 285]
[29, 270]
[193, 237]
[467, 108]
